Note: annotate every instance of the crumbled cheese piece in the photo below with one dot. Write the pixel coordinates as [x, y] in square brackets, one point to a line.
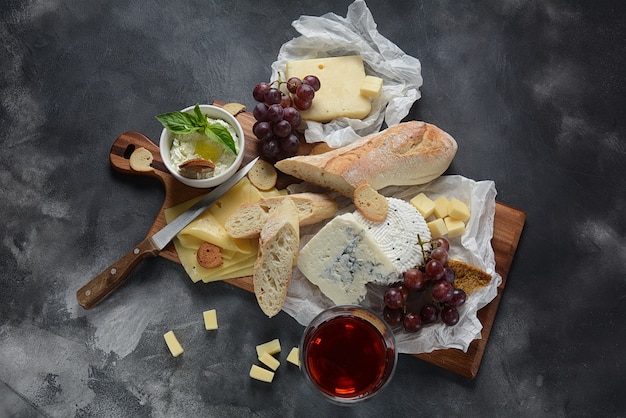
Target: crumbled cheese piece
[269, 360]
[210, 319]
[424, 204]
[172, 343]
[272, 347]
[294, 356]
[441, 207]
[437, 228]
[261, 374]
[454, 226]
[458, 209]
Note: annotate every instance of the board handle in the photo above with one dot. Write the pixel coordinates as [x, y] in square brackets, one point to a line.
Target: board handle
[123, 148]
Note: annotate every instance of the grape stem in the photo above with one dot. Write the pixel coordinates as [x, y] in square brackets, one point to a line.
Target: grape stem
[421, 243]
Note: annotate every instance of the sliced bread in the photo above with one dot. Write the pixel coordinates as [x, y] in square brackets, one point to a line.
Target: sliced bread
[278, 250]
[249, 219]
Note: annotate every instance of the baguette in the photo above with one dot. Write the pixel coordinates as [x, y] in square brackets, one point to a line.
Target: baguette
[410, 153]
[249, 219]
[278, 250]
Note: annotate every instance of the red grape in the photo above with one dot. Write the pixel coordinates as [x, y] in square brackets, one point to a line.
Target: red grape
[440, 255]
[290, 144]
[404, 290]
[275, 113]
[414, 279]
[441, 242]
[434, 269]
[273, 96]
[429, 313]
[312, 81]
[392, 316]
[412, 322]
[458, 298]
[442, 291]
[449, 274]
[305, 92]
[260, 112]
[271, 149]
[292, 115]
[449, 315]
[259, 91]
[262, 130]
[393, 298]
[301, 104]
[293, 83]
[282, 129]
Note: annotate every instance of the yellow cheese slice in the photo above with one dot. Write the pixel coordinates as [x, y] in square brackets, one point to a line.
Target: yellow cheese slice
[339, 95]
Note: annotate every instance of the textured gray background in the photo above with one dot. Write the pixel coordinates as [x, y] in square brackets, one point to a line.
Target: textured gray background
[533, 91]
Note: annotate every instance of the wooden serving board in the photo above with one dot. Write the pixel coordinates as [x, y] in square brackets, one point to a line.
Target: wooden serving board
[508, 226]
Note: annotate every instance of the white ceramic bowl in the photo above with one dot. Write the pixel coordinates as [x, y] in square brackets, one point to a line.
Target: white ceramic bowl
[213, 112]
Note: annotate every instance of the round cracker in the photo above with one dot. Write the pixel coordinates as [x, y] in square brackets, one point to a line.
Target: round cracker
[209, 255]
[263, 175]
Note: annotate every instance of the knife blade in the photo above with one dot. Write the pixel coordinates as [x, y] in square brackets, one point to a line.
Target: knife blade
[116, 274]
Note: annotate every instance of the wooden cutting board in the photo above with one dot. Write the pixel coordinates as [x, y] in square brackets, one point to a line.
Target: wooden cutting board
[508, 226]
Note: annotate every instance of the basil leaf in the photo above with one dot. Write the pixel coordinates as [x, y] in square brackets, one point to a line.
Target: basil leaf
[179, 122]
[200, 118]
[220, 134]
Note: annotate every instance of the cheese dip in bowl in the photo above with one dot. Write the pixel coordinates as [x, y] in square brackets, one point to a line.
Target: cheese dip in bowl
[196, 159]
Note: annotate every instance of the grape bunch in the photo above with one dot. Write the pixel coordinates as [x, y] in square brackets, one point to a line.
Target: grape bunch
[278, 114]
[426, 292]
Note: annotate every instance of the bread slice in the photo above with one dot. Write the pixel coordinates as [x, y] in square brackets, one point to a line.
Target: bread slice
[249, 219]
[409, 153]
[372, 205]
[278, 251]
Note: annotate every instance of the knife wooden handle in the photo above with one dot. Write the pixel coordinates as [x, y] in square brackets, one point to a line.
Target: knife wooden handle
[115, 275]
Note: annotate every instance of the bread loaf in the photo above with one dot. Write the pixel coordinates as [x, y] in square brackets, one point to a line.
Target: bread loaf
[249, 219]
[409, 153]
[278, 250]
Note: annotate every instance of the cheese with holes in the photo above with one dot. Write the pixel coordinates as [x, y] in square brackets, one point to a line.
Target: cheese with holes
[261, 374]
[397, 235]
[339, 95]
[172, 343]
[342, 258]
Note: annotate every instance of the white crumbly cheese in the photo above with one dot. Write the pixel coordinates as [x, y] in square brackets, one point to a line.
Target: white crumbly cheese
[397, 235]
[342, 258]
[197, 145]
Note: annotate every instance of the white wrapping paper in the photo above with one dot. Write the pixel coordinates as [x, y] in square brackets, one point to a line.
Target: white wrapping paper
[305, 301]
[331, 36]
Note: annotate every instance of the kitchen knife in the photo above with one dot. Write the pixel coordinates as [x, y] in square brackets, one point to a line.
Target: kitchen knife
[116, 274]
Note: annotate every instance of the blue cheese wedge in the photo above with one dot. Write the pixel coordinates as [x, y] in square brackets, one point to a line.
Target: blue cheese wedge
[342, 258]
[397, 235]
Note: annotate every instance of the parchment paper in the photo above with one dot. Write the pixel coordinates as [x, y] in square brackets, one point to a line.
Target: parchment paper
[331, 35]
[305, 301]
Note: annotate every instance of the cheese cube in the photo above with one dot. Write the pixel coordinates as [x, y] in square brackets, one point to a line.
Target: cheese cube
[271, 347]
[371, 86]
[261, 374]
[267, 359]
[294, 356]
[454, 226]
[423, 204]
[340, 87]
[210, 319]
[437, 228]
[172, 343]
[441, 207]
[458, 209]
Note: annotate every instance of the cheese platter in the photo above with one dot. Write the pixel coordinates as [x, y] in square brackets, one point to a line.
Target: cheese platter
[508, 225]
